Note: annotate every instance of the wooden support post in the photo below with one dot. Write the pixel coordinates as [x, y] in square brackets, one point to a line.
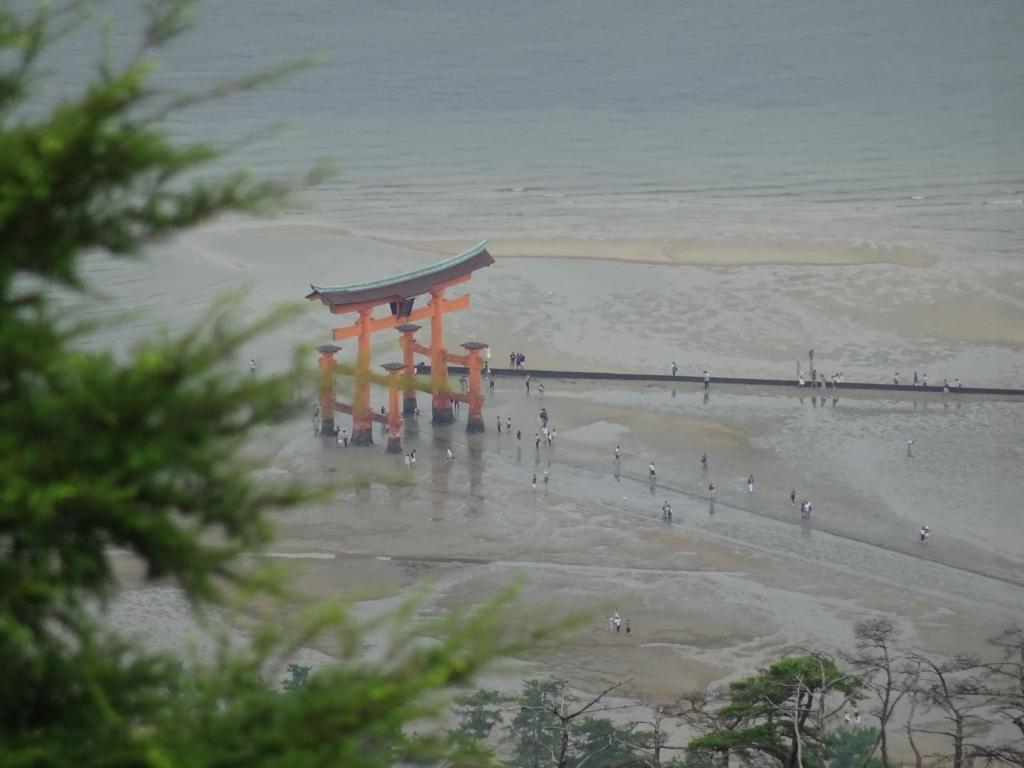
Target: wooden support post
[408, 330]
[362, 425]
[394, 416]
[326, 364]
[442, 401]
[475, 422]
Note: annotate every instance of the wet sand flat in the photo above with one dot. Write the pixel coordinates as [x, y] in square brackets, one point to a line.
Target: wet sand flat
[722, 589]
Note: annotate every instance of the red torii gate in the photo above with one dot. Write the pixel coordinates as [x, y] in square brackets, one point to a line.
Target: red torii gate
[400, 294]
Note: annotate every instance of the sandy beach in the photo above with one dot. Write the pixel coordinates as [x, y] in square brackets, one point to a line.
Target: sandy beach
[726, 587]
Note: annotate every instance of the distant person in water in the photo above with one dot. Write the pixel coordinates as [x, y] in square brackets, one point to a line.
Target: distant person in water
[252, 364]
[707, 379]
[650, 471]
[616, 453]
[675, 369]
[536, 440]
[792, 497]
[527, 383]
[910, 447]
[704, 461]
[508, 424]
[449, 456]
[499, 425]
[545, 478]
[924, 533]
[711, 488]
[533, 481]
[750, 484]
[666, 511]
[896, 379]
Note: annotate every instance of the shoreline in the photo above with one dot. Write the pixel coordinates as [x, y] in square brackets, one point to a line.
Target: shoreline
[684, 251]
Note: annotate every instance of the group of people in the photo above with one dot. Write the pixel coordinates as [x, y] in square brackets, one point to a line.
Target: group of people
[923, 381]
[615, 623]
[666, 507]
[819, 380]
[516, 360]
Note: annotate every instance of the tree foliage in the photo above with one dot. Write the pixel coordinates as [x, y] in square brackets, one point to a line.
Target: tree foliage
[780, 713]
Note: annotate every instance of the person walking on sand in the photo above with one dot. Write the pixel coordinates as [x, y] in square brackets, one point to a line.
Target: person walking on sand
[616, 453]
[924, 533]
[618, 622]
[915, 378]
[675, 369]
[412, 457]
[545, 478]
[519, 434]
[711, 489]
[611, 623]
[704, 461]
[540, 389]
[533, 481]
[666, 511]
[896, 379]
[707, 380]
[527, 383]
[343, 438]
[924, 379]
[508, 424]
[448, 455]
[499, 425]
[910, 447]
[750, 484]
[536, 440]
[628, 630]
[650, 471]
[792, 497]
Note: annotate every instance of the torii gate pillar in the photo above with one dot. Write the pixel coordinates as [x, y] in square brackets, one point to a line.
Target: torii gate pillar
[326, 364]
[362, 423]
[442, 403]
[409, 399]
[475, 423]
[394, 416]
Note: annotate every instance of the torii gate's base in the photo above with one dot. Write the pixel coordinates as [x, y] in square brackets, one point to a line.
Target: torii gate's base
[442, 416]
[327, 428]
[475, 424]
[394, 445]
[362, 436]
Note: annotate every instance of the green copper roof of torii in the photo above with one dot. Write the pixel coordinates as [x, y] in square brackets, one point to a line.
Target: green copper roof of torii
[406, 285]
